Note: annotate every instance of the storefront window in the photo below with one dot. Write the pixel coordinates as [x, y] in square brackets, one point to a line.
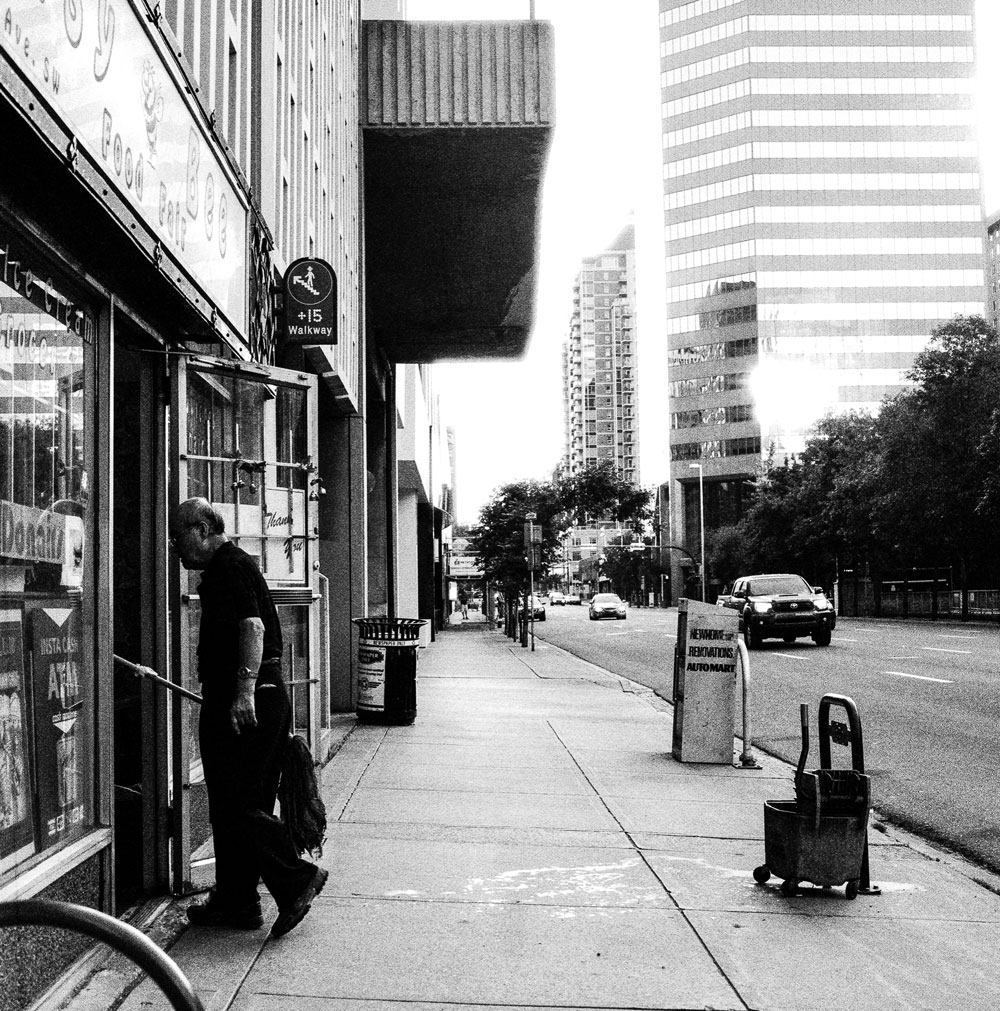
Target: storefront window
[247, 454]
[46, 673]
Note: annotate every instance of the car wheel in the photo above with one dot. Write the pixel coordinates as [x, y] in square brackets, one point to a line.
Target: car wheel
[542, 618]
[822, 637]
[751, 637]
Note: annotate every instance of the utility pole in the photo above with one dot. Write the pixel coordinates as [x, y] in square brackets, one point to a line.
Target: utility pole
[530, 607]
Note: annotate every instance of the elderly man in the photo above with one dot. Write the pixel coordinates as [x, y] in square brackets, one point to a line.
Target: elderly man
[245, 723]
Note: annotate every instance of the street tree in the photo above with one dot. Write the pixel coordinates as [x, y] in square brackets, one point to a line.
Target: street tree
[938, 454]
[498, 537]
[599, 492]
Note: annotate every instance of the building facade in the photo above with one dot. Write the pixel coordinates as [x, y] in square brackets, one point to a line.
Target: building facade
[173, 163]
[993, 270]
[822, 211]
[600, 364]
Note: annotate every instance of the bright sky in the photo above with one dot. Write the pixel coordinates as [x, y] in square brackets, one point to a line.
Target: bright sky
[603, 167]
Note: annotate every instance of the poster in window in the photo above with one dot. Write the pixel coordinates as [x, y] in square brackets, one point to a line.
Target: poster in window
[62, 708]
[16, 816]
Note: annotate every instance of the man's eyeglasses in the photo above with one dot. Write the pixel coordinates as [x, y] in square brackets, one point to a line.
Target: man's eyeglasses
[176, 535]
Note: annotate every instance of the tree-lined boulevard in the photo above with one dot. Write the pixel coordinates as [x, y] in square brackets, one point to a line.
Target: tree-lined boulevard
[926, 692]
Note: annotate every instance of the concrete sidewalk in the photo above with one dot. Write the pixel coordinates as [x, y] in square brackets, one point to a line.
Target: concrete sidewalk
[530, 842]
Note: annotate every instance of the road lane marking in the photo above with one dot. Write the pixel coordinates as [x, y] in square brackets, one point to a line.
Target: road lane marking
[840, 638]
[941, 649]
[917, 677]
[790, 656]
[944, 635]
[902, 658]
[616, 633]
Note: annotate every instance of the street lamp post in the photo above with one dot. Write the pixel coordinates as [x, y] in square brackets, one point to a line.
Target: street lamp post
[529, 610]
[701, 516]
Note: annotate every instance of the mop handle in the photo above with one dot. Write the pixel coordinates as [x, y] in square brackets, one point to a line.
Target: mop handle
[145, 672]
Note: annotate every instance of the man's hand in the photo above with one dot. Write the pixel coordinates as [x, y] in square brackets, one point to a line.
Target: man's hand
[242, 714]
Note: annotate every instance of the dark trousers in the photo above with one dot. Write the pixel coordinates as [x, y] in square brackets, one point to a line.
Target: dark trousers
[241, 774]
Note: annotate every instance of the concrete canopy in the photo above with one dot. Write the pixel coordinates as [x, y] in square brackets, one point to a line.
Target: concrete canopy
[457, 128]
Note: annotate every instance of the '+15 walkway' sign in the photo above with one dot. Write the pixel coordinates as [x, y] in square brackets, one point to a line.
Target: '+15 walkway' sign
[310, 302]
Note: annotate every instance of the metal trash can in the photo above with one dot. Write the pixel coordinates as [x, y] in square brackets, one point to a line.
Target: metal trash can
[387, 669]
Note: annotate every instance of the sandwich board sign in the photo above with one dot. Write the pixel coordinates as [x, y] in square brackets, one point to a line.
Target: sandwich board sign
[705, 683]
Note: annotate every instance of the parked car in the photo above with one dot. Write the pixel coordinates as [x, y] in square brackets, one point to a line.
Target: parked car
[780, 606]
[536, 609]
[557, 598]
[607, 605]
[573, 598]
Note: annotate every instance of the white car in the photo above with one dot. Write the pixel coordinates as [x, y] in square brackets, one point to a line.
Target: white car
[556, 597]
[607, 605]
[537, 611]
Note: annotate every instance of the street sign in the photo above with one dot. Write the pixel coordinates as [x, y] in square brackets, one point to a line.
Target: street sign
[310, 291]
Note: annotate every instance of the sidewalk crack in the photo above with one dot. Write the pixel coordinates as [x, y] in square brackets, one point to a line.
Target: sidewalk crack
[642, 856]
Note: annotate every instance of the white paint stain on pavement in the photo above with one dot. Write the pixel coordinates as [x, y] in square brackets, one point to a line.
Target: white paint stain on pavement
[594, 884]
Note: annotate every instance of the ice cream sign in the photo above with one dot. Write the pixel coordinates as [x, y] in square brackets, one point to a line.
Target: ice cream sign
[97, 64]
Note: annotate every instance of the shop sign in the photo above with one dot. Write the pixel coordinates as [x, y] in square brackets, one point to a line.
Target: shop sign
[97, 65]
[16, 815]
[310, 306]
[32, 535]
[61, 743]
[465, 566]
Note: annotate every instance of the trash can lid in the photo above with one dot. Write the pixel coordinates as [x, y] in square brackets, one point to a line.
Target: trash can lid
[379, 627]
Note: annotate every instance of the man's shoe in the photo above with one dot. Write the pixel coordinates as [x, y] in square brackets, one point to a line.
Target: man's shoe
[219, 914]
[291, 916]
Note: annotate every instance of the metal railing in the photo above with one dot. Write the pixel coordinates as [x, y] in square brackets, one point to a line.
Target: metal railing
[123, 937]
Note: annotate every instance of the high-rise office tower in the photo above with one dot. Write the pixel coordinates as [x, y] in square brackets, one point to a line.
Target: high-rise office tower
[823, 214]
[599, 363]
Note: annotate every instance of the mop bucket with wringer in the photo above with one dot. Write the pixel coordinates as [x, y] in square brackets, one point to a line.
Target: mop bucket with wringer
[822, 835]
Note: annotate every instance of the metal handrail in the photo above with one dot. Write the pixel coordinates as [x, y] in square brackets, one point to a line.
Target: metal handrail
[123, 937]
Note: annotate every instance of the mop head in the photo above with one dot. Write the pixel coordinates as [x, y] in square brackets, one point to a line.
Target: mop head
[302, 808]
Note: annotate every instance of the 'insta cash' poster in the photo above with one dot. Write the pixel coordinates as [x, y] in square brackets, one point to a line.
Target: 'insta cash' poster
[16, 835]
[62, 744]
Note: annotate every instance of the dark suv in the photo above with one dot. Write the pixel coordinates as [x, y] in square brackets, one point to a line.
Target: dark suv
[780, 606]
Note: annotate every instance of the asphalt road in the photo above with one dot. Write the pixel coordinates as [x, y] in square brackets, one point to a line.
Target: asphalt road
[928, 696]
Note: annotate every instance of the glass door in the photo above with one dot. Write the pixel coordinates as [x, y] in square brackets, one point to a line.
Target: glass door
[246, 441]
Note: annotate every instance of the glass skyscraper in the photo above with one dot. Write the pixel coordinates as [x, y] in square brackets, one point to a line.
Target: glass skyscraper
[599, 364]
[822, 211]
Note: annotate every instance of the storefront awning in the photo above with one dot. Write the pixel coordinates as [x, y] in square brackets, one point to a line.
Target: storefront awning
[457, 118]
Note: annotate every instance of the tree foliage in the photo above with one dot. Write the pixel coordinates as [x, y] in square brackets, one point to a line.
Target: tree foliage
[917, 485]
[597, 493]
[498, 537]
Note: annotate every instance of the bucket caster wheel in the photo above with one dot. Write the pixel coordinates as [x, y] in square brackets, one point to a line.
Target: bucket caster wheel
[761, 874]
[789, 888]
[852, 889]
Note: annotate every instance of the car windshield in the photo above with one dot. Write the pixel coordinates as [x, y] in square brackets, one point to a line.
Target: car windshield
[607, 598]
[774, 586]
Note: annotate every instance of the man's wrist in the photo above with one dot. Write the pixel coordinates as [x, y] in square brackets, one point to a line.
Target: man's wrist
[246, 674]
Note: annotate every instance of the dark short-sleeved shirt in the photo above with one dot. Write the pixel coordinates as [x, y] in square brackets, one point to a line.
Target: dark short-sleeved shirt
[231, 589]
